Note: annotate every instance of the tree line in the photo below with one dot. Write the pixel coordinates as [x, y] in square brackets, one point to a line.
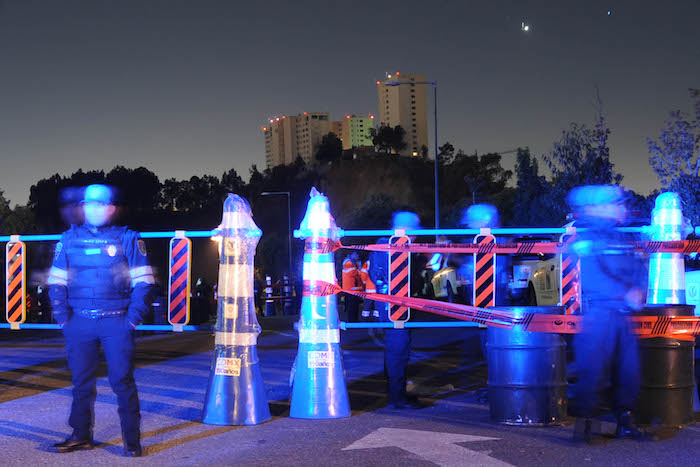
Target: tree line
[365, 188]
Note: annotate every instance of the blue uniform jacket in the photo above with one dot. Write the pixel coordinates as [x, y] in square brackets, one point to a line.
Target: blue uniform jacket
[101, 269]
[609, 265]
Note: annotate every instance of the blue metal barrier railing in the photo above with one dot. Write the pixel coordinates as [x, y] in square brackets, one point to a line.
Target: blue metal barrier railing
[411, 324]
[165, 234]
[15, 325]
[141, 327]
[500, 231]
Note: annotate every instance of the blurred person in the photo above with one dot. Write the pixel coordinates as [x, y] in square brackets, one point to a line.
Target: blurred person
[485, 216]
[482, 216]
[368, 307]
[613, 282]
[257, 291]
[351, 281]
[397, 341]
[69, 199]
[100, 286]
[202, 294]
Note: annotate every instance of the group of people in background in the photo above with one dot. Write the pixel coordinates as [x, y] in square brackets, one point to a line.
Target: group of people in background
[612, 282]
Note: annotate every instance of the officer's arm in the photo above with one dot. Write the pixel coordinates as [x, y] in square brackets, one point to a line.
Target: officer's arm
[58, 283]
[142, 279]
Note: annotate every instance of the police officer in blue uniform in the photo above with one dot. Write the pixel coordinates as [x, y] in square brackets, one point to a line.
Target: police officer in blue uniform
[397, 341]
[100, 283]
[485, 216]
[481, 216]
[613, 282]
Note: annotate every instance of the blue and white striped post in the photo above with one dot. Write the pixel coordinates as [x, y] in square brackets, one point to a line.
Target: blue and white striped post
[667, 270]
[236, 392]
[319, 389]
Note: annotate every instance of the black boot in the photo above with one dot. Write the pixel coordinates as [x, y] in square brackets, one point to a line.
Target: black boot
[626, 427]
[74, 443]
[133, 450]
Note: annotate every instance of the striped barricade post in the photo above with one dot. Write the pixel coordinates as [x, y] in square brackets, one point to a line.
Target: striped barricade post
[484, 283]
[318, 388]
[15, 282]
[399, 279]
[179, 281]
[236, 393]
[569, 280]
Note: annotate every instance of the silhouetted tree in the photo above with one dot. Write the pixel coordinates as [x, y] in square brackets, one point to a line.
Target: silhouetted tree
[397, 141]
[675, 157]
[231, 182]
[139, 193]
[387, 139]
[446, 154]
[532, 190]
[330, 149]
[424, 151]
[580, 157]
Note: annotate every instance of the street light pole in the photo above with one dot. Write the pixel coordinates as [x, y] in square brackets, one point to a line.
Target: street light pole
[437, 198]
[434, 85]
[289, 222]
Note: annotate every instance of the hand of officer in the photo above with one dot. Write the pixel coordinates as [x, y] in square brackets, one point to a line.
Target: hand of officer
[130, 326]
[635, 299]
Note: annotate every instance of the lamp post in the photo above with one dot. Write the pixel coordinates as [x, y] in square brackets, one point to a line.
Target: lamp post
[474, 185]
[289, 221]
[434, 85]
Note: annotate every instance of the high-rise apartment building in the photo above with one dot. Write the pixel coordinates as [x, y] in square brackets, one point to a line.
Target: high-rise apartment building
[402, 102]
[353, 131]
[337, 128]
[297, 135]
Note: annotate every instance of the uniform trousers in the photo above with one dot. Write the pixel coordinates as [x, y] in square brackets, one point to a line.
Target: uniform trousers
[83, 338]
[396, 356]
[607, 360]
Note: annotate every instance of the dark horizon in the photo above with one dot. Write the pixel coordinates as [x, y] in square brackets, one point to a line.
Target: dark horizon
[182, 88]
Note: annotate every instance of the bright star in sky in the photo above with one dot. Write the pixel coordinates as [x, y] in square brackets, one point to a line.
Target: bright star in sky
[524, 27]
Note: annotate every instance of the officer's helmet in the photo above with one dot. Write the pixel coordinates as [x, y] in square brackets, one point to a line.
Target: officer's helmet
[598, 203]
[479, 216]
[98, 194]
[405, 220]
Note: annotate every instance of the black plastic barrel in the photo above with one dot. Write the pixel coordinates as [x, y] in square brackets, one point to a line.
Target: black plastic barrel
[527, 373]
[667, 368]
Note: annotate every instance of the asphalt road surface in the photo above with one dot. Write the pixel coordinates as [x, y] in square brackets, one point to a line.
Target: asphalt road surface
[447, 371]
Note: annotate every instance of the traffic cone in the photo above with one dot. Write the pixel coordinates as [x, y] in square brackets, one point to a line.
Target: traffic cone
[236, 393]
[319, 389]
[667, 270]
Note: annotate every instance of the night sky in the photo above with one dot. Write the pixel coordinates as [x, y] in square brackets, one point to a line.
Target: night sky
[183, 87]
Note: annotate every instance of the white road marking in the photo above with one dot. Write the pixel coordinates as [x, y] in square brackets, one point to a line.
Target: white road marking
[430, 445]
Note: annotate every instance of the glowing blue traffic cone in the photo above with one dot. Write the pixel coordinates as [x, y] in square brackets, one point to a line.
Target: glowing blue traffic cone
[236, 393]
[319, 389]
[667, 270]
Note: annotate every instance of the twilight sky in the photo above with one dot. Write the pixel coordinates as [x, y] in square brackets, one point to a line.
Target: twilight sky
[183, 87]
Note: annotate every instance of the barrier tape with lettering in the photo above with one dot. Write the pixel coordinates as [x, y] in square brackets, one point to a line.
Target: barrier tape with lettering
[677, 327]
[323, 246]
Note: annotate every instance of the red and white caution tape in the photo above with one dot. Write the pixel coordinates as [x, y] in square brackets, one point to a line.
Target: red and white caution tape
[677, 327]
